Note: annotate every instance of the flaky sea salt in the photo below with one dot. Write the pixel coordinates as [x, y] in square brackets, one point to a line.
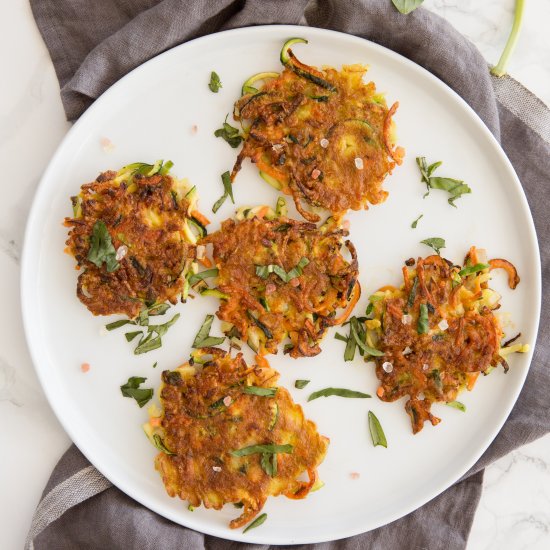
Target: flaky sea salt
[121, 251]
[407, 350]
[425, 366]
[227, 400]
[324, 143]
[406, 319]
[316, 173]
[359, 163]
[387, 366]
[217, 468]
[443, 325]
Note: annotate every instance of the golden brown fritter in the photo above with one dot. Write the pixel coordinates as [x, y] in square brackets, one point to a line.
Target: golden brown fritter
[283, 278]
[437, 332]
[214, 419]
[131, 234]
[323, 137]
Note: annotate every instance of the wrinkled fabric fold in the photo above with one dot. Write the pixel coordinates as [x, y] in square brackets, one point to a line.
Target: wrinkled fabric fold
[93, 44]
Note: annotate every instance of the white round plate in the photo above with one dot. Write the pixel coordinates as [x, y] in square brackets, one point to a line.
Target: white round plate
[149, 115]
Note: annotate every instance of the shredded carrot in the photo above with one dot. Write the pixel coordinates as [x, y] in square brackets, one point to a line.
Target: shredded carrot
[205, 262]
[380, 391]
[356, 294]
[513, 277]
[305, 488]
[397, 154]
[155, 421]
[261, 361]
[200, 217]
[472, 378]
[85, 367]
[262, 212]
[387, 287]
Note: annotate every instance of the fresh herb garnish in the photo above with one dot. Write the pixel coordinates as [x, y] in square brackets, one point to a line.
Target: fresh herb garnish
[159, 444]
[437, 243]
[227, 192]
[196, 277]
[268, 334]
[455, 188]
[118, 324]
[132, 389]
[101, 248]
[269, 448]
[412, 294]
[261, 392]
[256, 523]
[423, 323]
[215, 83]
[230, 134]
[357, 338]
[470, 269]
[152, 338]
[376, 431]
[340, 392]
[263, 271]
[456, 405]
[406, 6]
[203, 338]
[415, 223]
[300, 384]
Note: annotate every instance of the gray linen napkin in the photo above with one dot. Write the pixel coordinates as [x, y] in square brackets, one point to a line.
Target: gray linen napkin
[93, 44]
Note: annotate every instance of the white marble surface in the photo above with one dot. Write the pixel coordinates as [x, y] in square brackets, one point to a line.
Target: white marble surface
[514, 511]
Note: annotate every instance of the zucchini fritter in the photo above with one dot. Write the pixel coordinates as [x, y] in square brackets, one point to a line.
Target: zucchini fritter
[437, 332]
[228, 434]
[131, 233]
[283, 278]
[323, 137]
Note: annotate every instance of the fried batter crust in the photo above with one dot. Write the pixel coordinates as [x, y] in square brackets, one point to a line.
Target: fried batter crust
[301, 309]
[208, 415]
[308, 138]
[436, 366]
[145, 215]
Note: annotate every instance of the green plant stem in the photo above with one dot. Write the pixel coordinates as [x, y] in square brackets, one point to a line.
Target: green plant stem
[500, 68]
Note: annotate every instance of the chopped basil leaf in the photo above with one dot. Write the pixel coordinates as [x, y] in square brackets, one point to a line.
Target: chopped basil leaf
[155, 364]
[270, 448]
[340, 392]
[262, 392]
[227, 191]
[339, 336]
[437, 243]
[101, 248]
[456, 405]
[230, 134]
[203, 338]
[263, 271]
[423, 323]
[117, 324]
[268, 463]
[215, 83]
[300, 384]
[415, 223]
[161, 330]
[406, 6]
[354, 326]
[349, 352]
[196, 277]
[412, 294]
[158, 309]
[376, 431]
[148, 344]
[256, 523]
[455, 188]
[471, 269]
[159, 444]
[132, 389]
[131, 335]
